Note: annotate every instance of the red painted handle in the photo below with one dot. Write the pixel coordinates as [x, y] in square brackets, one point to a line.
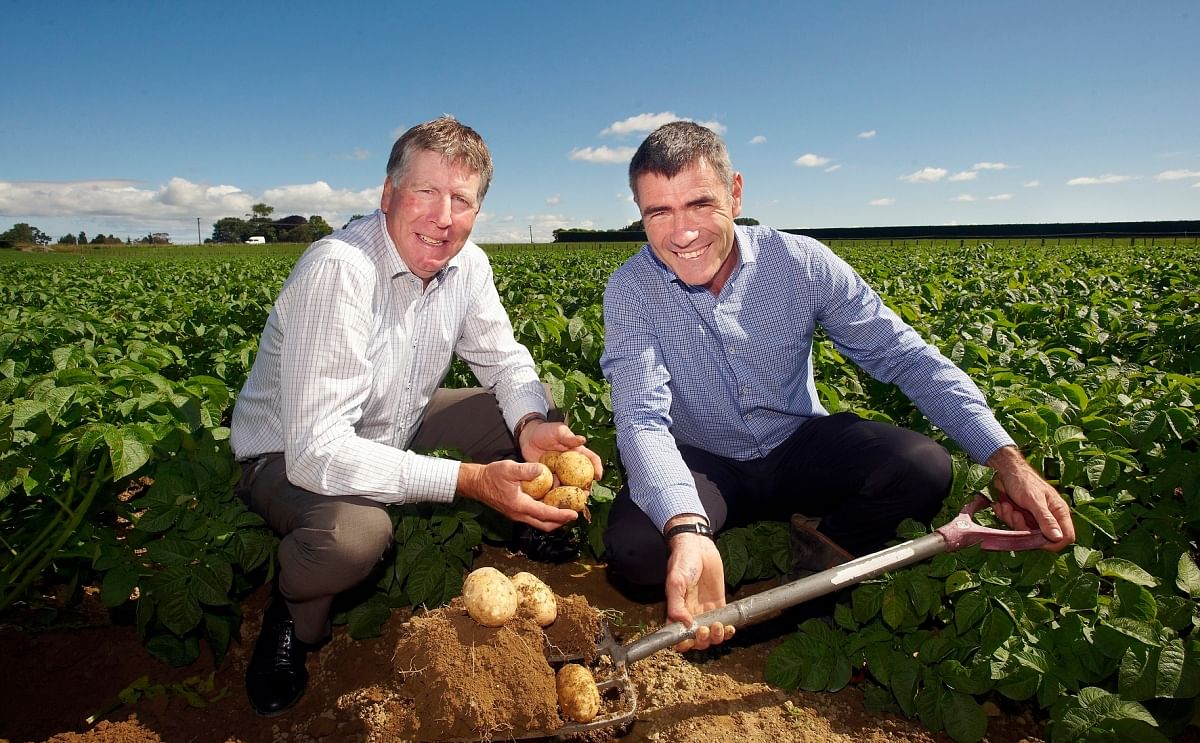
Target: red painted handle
[962, 531]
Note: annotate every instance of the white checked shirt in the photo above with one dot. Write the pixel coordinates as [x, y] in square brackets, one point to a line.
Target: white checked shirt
[733, 374]
[352, 353]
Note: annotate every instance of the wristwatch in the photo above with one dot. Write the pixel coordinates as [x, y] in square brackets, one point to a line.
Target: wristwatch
[696, 527]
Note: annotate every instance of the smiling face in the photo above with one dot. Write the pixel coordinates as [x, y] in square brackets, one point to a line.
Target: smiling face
[689, 222]
[430, 211]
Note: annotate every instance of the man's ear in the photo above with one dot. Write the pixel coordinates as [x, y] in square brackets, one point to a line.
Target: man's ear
[737, 195]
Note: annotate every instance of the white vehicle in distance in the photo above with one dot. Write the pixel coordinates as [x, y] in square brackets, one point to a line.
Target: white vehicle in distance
[257, 240]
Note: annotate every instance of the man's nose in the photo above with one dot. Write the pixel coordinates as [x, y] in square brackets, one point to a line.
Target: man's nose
[440, 211]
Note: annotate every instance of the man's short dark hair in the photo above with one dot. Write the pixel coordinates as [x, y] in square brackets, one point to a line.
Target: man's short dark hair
[454, 141]
[674, 147]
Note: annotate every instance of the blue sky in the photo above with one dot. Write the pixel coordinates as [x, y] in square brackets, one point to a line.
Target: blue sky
[136, 117]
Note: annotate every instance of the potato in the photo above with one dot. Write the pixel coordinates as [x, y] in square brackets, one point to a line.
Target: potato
[537, 596]
[574, 469]
[578, 697]
[540, 485]
[550, 459]
[490, 597]
[567, 496]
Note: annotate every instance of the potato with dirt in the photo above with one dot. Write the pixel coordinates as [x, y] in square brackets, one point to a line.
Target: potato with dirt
[537, 597]
[574, 469]
[540, 485]
[567, 496]
[578, 695]
[490, 597]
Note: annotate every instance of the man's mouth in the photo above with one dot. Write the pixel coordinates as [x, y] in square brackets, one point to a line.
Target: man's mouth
[691, 254]
[431, 242]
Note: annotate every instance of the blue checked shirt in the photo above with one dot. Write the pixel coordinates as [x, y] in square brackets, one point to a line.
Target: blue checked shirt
[351, 355]
[733, 374]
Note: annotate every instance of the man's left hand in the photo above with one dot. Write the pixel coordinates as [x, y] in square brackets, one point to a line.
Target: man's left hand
[1032, 503]
[539, 437]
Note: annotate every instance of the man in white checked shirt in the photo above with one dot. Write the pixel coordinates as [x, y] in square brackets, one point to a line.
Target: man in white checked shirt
[346, 383]
[708, 342]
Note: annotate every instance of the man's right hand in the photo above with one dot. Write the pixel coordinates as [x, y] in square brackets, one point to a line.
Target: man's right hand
[498, 485]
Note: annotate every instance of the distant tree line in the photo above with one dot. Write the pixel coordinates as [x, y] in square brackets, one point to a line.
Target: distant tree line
[258, 223]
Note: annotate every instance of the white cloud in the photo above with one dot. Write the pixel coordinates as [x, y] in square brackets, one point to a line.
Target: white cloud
[925, 175]
[760, 139]
[1106, 179]
[1000, 197]
[990, 166]
[358, 153]
[603, 154]
[963, 197]
[626, 196]
[716, 126]
[122, 198]
[553, 200]
[869, 134]
[319, 198]
[1196, 184]
[1031, 184]
[1177, 175]
[810, 160]
[885, 201]
[964, 175]
[833, 168]
[650, 122]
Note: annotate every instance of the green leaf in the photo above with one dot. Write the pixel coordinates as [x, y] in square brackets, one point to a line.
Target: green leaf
[997, 628]
[118, 585]
[969, 610]
[180, 610]
[425, 579]
[366, 620]
[1188, 576]
[129, 447]
[735, 555]
[961, 580]
[963, 718]
[1115, 567]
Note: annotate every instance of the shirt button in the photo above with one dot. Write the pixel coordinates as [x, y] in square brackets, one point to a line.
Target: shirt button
[749, 416]
[732, 351]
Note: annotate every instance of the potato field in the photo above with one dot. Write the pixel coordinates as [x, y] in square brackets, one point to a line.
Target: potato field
[119, 369]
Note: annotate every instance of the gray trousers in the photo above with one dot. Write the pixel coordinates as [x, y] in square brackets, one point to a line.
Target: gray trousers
[330, 543]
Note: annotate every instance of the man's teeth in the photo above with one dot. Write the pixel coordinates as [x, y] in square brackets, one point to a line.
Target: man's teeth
[689, 256]
[430, 241]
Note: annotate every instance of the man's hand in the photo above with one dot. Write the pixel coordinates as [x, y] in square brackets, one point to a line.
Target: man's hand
[539, 437]
[695, 584]
[1028, 494]
[499, 485]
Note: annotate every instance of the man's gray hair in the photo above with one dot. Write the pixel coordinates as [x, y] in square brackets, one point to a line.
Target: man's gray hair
[674, 147]
[455, 142]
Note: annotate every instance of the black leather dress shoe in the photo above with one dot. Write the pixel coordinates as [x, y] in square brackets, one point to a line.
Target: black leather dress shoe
[276, 677]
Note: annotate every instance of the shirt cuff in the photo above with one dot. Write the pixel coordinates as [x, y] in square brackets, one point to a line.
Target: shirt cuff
[432, 480]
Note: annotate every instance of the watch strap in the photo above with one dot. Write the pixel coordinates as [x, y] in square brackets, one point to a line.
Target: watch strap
[696, 527]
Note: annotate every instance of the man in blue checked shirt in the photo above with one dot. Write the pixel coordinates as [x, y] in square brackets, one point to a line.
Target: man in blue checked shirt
[709, 335]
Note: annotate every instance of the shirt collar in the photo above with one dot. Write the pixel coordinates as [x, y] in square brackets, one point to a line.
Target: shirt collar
[747, 254]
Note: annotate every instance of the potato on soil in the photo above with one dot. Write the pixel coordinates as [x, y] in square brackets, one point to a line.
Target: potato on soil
[578, 697]
[490, 597]
[574, 469]
[537, 596]
[567, 496]
[540, 485]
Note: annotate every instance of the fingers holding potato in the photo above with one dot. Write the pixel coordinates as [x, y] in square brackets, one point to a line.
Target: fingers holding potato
[540, 485]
